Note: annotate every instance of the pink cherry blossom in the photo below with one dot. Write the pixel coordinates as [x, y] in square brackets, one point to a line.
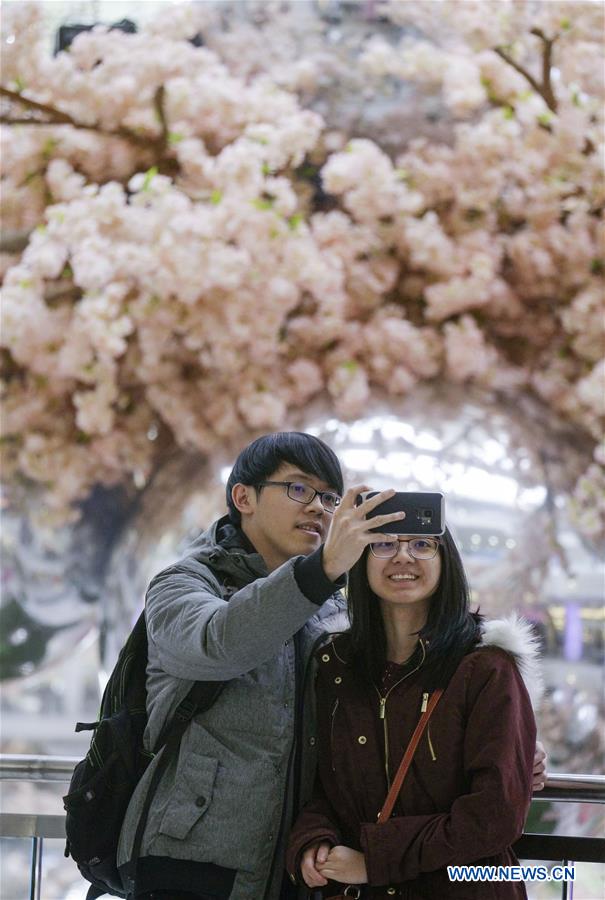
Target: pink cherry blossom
[184, 270]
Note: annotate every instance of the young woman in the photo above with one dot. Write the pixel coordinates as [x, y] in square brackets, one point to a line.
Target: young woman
[466, 795]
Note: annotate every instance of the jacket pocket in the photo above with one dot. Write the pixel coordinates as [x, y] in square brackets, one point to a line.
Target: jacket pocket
[194, 781]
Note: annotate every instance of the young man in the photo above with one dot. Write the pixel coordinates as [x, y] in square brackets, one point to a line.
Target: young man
[256, 594]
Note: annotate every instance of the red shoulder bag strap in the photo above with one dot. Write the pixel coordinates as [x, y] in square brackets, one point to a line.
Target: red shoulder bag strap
[405, 763]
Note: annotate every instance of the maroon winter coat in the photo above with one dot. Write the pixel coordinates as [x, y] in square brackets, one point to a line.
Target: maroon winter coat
[465, 797]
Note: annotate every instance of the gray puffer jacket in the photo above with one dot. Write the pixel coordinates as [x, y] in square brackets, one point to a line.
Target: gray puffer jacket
[228, 798]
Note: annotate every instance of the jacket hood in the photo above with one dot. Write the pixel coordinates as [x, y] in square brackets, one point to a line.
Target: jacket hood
[513, 634]
[229, 552]
[337, 623]
[516, 635]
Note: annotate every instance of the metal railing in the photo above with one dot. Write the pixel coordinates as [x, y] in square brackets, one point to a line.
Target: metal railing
[570, 788]
[17, 767]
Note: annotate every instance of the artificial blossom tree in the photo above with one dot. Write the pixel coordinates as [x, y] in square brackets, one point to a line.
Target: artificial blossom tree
[205, 255]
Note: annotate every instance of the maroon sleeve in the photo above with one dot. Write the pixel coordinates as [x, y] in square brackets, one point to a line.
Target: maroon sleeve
[315, 823]
[498, 756]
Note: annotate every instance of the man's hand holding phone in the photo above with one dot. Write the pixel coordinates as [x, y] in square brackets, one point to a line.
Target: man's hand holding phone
[350, 531]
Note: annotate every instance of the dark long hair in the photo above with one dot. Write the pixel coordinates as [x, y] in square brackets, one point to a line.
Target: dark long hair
[451, 630]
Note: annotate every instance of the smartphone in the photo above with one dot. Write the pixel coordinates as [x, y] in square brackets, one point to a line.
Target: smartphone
[424, 512]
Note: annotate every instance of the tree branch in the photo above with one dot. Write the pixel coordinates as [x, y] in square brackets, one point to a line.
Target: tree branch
[544, 89]
[27, 120]
[548, 43]
[58, 117]
[56, 293]
[158, 102]
[56, 114]
[14, 241]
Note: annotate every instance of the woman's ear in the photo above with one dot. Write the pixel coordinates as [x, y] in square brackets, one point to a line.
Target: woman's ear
[244, 498]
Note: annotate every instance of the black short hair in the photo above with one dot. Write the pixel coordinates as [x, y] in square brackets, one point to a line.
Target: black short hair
[260, 459]
[451, 629]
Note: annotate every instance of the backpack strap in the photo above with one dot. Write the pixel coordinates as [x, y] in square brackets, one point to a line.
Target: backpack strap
[94, 893]
[201, 697]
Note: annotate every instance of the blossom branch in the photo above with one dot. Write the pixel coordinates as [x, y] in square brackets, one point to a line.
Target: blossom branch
[544, 88]
[57, 293]
[58, 117]
[158, 102]
[548, 43]
[14, 241]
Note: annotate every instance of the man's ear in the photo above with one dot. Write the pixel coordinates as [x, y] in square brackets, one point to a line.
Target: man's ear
[244, 498]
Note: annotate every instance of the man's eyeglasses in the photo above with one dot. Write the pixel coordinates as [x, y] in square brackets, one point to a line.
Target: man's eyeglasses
[304, 493]
[419, 548]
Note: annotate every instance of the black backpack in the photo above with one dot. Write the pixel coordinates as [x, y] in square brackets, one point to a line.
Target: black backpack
[103, 782]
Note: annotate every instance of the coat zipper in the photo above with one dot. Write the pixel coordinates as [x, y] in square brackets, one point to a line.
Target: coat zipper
[428, 737]
[425, 703]
[332, 732]
[382, 712]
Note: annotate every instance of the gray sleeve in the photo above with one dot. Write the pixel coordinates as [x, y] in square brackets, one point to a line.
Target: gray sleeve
[198, 635]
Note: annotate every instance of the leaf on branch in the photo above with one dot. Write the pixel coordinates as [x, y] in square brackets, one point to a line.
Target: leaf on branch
[263, 203]
[149, 176]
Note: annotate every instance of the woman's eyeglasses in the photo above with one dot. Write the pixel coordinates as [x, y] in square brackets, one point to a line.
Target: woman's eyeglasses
[419, 547]
[304, 493]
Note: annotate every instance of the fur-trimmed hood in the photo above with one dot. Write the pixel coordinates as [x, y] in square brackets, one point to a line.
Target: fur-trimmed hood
[513, 633]
[516, 635]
